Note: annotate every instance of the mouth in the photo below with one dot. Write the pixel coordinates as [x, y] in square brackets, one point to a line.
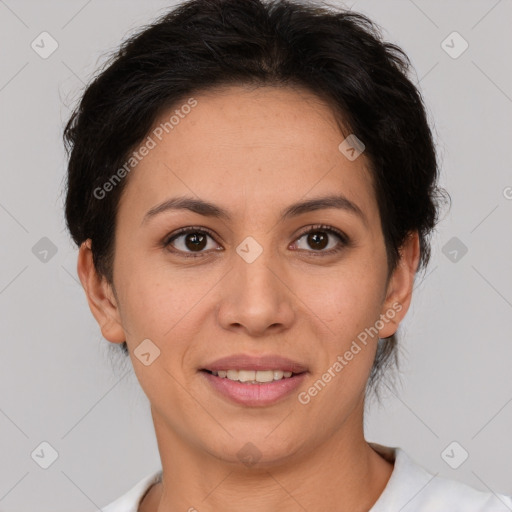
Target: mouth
[253, 380]
[253, 376]
[253, 388]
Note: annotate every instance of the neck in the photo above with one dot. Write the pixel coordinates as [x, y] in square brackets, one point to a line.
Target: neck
[343, 474]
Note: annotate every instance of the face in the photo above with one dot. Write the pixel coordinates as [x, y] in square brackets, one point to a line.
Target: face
[260, 280]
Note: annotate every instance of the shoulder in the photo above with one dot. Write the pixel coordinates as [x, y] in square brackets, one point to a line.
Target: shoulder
[412, 488]
[129, 502]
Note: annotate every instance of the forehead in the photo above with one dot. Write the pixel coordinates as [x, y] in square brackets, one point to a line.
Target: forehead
[248, 148]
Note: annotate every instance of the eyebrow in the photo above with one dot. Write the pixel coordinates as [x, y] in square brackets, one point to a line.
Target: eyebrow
[207, 209]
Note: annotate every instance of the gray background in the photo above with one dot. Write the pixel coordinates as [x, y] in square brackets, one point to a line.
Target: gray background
[60, 381]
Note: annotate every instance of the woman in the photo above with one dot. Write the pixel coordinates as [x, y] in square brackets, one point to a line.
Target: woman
[252, 186]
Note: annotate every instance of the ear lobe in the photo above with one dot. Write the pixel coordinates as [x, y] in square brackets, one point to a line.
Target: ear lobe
[100, 296]
[400, 286]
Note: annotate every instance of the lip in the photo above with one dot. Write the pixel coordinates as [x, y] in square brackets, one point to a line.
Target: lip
[248, 362]
[254, 395]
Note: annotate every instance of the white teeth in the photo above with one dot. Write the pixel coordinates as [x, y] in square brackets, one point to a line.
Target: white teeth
[232, 374]
[252, 376]
[245, 375]
[264, 376]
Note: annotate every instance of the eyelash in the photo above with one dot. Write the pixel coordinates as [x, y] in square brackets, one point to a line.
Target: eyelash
[344, 240]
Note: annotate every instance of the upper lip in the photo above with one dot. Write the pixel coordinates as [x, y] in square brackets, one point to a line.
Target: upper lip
[248, 362]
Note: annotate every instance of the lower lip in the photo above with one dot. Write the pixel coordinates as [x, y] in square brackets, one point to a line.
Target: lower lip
[255, 395]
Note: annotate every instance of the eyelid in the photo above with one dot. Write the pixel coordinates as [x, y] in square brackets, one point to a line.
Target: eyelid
[184, 231]
[324, 227]
[344, 243]
[345, 240]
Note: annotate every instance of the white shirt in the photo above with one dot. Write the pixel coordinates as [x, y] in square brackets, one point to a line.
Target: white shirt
[410, 489]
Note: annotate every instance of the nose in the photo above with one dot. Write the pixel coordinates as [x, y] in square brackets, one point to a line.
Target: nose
[255, 298]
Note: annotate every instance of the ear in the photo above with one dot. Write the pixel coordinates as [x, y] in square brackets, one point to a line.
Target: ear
[401, 283]
[100, 296]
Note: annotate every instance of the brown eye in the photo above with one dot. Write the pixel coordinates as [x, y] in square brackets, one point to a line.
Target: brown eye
[322, 239]
[195, 241]
[317, 240]
[189, 241]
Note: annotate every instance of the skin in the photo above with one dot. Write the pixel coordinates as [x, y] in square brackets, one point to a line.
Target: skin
[253, 152]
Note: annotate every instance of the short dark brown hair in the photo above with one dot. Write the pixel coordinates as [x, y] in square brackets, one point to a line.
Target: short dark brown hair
[337, 54]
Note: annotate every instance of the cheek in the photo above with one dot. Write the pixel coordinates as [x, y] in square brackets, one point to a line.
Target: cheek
[161, 302]
[347, 299]
[151, 309]
[146, 300]
[348, 303]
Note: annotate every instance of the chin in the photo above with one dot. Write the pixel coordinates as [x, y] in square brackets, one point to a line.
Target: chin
[256, 451]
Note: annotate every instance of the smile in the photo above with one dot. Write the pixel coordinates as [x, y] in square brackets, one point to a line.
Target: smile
[252, 376]
[253, 388]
